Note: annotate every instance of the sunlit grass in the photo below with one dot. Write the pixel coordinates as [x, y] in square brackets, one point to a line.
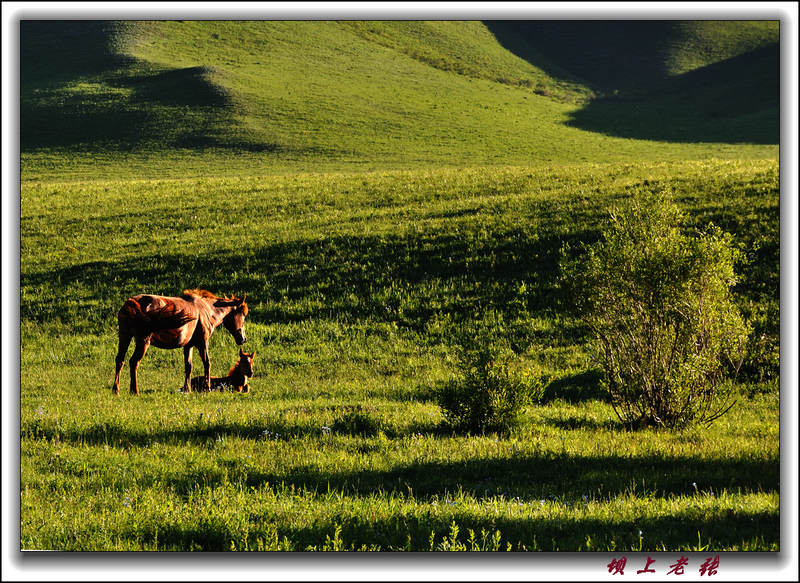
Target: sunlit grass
[362, 287]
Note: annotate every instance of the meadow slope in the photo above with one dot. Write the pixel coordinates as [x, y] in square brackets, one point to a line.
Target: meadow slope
[155, 98]
[362, 288]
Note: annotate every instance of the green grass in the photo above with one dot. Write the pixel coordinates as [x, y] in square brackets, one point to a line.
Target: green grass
[362, 286]
[155, 99]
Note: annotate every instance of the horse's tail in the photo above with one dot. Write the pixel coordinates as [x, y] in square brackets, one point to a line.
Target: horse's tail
[167, 317]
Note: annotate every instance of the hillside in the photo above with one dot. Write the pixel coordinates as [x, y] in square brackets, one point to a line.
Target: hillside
[394, 94]
[634, 55]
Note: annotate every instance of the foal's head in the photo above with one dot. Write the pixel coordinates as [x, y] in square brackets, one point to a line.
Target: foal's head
[234, 320]
[245, 363]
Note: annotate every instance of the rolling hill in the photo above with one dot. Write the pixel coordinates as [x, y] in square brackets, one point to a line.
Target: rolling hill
[395, 94]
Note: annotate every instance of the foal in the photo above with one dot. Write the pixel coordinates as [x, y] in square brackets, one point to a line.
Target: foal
[236, 379]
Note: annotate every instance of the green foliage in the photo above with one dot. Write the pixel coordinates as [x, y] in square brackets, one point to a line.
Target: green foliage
[485, 543]
[659, 305]
[491, 392]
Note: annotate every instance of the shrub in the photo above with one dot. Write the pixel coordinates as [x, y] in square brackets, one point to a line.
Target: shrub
[490, 394]
[658, 304]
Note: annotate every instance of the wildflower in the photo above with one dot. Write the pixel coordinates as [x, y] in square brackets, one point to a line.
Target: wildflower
[126, 501]
[326, 430]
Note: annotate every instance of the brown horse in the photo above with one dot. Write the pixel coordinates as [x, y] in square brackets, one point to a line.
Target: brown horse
[184, 322]
[236, 379]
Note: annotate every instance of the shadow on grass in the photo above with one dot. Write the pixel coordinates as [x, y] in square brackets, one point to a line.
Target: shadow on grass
[732, 101]
[717, 103]
[425, 532]
[529, 475]
[79, 92]
[577, 388]
[544, 534]
[404, 279]
[353, 421]
[572, 423]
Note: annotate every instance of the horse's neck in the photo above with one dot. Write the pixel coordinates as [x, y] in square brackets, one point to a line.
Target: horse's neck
[216, 315]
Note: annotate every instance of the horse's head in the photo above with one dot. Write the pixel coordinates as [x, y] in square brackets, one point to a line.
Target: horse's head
[246, 362]
[234, 319]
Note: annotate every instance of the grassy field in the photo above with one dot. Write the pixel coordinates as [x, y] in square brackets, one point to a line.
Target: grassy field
[385, 194]
[362, 286]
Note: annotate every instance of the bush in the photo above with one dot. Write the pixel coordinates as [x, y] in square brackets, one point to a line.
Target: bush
[490, 394]
[659, 306]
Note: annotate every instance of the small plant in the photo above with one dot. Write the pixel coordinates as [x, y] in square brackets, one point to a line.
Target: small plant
[659, 306]
[490, 394]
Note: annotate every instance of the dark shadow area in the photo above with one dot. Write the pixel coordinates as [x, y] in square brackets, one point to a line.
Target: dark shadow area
[413, 533]
[529, 476]
[402, 279]
[53, 52]
[353, 421]
[736, 101]
[545, 534]
[572, 423]
[604, 53]
[577, 388]
[78, 92]
[191, 86]
[624, 63]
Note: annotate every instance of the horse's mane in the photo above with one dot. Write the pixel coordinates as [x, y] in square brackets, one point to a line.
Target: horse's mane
[204, 293]
[201, 293]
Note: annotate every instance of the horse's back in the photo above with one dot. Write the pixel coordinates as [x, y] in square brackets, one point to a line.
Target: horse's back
[147, 313]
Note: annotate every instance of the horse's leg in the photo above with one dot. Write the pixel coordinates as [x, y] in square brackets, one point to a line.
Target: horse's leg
[124, 342]
[203, 350]
[138, 355]
[187, 366]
